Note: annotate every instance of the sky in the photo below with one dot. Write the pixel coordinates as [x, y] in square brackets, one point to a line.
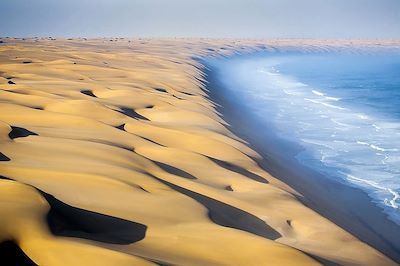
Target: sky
[201, 18]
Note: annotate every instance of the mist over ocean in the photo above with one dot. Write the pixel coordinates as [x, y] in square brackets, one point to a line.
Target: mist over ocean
[341, 107]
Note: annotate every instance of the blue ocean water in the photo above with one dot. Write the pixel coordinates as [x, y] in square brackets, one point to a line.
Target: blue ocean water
[343, 109]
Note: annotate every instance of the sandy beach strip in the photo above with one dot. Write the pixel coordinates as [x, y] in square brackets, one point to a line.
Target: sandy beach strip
[113, 153]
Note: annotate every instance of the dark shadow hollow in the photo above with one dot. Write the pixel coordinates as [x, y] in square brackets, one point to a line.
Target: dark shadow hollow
[179, 98]
[187, 93]
[69, 221]
[88, 93]
[227, 215]
[161, 90]
[173, 170]
[12, 255]
[121, 127]
[131, 113]
[4, 158]
[19, 132]
[239, 170]
[152, 141]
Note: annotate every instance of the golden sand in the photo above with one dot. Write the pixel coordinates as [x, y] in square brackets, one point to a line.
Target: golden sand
[112, 154]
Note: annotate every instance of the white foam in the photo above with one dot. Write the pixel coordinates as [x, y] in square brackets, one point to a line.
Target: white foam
[317, 93]
[343, 124]
[376, 127]
[370, 183]
[332, 98]
[376, 147]
[392, 203]
[362, 116]
[325, 104]
[289, 92]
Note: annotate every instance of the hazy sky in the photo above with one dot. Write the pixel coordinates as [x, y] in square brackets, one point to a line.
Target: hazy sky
[205, 18]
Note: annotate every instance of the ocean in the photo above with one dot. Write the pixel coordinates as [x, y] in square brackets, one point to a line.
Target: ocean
[341, 107]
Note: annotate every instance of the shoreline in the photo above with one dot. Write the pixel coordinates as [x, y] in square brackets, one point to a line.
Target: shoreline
[346, 206]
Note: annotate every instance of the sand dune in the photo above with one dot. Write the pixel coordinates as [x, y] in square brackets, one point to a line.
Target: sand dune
[112, 154]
